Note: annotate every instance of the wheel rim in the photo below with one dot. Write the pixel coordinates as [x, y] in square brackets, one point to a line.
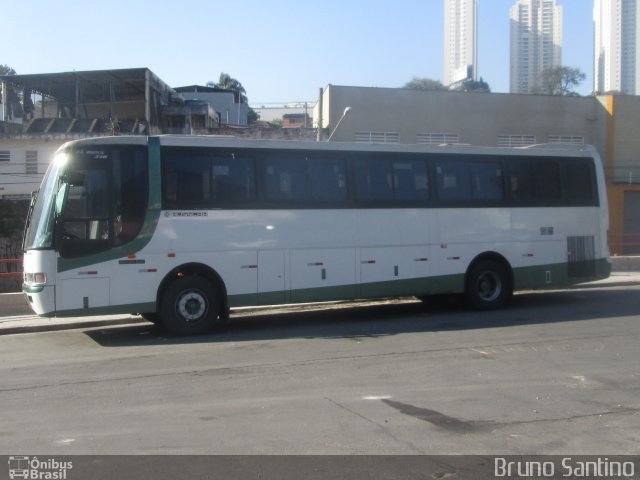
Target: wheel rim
[192, 306]
[489, 286]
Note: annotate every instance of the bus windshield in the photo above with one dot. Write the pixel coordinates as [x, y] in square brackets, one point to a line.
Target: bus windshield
[90, 200]
[39, 231]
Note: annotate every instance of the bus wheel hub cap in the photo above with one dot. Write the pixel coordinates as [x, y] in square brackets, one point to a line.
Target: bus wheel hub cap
[191, 306]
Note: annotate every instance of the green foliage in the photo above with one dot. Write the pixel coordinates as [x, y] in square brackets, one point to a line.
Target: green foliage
[252, 116]
[424, 84]
[6, 70]
[229, 83]
[560, 81]
[474, 86]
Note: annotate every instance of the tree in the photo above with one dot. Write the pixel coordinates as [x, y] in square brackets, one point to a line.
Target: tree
[227, 82]
[424, 84]
[6, 70]
[560, 81]
[252, 116]
[474, 86]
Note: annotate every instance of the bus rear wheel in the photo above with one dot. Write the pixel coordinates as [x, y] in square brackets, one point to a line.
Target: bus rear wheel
[488, 285]
[190, 306]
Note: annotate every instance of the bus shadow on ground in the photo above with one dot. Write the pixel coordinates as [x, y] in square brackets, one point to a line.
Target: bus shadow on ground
[385, 318]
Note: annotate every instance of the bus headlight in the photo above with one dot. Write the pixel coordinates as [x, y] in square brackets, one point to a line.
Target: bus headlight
[35, 279]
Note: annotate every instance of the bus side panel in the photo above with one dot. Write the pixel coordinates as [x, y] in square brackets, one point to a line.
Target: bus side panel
[462, 235]
[323, 274]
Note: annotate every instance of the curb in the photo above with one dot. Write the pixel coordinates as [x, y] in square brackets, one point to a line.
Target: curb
[69, 324]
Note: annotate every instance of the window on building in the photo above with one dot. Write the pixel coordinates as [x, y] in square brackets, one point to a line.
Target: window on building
[31, 162]
[5, 155]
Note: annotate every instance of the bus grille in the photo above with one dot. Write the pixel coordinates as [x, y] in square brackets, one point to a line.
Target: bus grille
[581, 257]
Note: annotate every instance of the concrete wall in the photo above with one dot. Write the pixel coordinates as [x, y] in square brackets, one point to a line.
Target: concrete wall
[476, 118]
[13, 179]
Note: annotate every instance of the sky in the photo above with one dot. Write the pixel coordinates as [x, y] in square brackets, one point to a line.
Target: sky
[280, 50]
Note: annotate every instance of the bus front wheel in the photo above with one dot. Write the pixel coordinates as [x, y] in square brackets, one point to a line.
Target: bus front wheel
[190, 305]
[488, 285]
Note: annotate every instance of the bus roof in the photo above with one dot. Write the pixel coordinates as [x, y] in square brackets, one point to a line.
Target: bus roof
[223, 141]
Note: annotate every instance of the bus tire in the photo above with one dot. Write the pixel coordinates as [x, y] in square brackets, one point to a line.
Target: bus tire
[488, 285]
[190, 306]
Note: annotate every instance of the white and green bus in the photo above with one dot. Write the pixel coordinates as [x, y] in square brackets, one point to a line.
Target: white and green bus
[182, 229]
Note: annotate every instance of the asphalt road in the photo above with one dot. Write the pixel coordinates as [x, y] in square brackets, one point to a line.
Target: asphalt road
[555, 373]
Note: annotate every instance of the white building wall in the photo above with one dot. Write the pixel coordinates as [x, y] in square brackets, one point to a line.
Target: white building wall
[460, 45]
[616, 46]
[536, 42]
[14, 179]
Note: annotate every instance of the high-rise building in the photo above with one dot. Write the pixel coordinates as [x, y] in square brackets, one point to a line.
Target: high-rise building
[536, 42]
[617, 46]
[460, 45]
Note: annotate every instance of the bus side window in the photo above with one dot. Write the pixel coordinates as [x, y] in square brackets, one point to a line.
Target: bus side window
[486, 181]
[374, 180]
[454, 182]
[410, 180]
[131, 186]
[84, 221]
[579, 182]
[546, 177]
[520, 181]
[285, 179]
[328, 180]
[232, 180]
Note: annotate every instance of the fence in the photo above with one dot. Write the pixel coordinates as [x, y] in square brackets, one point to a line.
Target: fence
[10, 265]
[624, 243]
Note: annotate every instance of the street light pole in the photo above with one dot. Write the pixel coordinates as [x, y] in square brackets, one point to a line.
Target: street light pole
[344, 114]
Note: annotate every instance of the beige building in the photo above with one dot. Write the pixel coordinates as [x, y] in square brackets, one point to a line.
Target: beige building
[391, 115]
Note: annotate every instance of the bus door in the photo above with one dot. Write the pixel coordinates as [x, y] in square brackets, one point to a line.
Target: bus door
[82, 230]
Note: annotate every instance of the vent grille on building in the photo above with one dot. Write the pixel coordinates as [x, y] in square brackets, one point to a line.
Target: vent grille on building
[377, 137]
[31, 162]
[437, 138]
[516, 140]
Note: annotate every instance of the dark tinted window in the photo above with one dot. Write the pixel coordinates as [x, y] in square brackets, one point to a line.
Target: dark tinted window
[102, 199]
[460, 180]
[328, 180]
[579, 181]
[373, 180]
[285, 179]
[535, 180]
[410, 180]
[200, 179]
[386, 180]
